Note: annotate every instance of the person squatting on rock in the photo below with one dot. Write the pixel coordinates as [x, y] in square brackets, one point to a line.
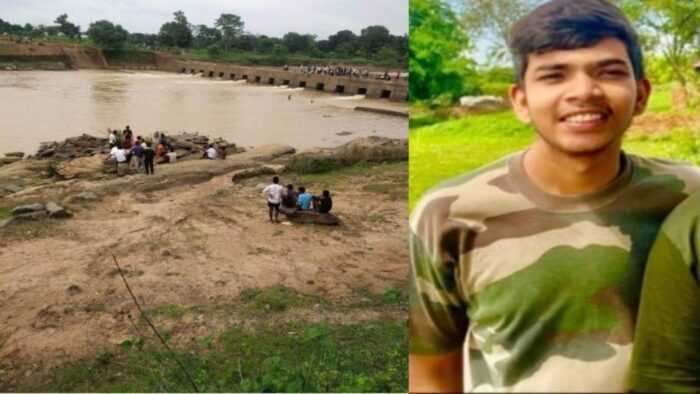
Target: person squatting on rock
[324, 203]
[210, 153]
[273, 194]
[289, 200]
[304, 199]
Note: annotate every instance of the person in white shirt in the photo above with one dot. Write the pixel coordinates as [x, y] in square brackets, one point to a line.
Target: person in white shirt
[119, 156]
[112, 139]
[211, 152]
[273, 194]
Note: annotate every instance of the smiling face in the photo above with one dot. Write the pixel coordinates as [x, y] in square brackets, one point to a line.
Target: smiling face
[582, 100]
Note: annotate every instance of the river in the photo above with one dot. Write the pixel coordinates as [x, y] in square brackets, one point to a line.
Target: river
[41, 106]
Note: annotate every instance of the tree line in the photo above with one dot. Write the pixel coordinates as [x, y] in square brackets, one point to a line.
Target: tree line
[226, 35]
[444, 35]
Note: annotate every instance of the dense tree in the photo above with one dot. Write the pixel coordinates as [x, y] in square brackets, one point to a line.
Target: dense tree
[68, 29]
[266, 44]
[107, 35]
[492, 20]
[176, 33]
[374, 37]
[205, 36]
[231, 27]
[142, 40]
[346, 38]
[670, 28]
[436, 49]
[296, 42]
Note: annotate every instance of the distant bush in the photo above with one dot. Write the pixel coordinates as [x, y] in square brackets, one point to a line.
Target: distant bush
[499, 89]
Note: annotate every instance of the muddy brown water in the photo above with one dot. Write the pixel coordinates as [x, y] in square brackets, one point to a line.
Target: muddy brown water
[41, 106]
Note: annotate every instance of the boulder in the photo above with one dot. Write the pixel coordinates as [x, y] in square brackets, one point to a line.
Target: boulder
[56, 211]
[267, 169]
[10, 188]
[9, 160]
[372, 149]
[363, 149]
[36, 215]
[306, 217]
[483, 103]
[82, 167]
[22, 209]
[86, 196]
[6, 222]
[269, 152]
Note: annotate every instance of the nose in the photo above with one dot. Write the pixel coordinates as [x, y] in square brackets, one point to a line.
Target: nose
[583, 87]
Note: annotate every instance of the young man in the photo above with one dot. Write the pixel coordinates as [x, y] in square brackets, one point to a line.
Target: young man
[526, 273]
[304, 199]
[667, 341]
[323, 204]
[289, 200]
[273, 194]
[210, 152]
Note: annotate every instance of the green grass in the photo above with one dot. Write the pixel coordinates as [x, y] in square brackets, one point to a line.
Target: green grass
[290, 357]
[5, 212]
[345, 174]
[660, 100]
[276, 298]
[262, 355]
[443, 150]
[172, 311]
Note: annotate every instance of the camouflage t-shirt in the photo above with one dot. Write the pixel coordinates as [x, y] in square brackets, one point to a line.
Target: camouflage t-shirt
[666, 353]
[540, 291]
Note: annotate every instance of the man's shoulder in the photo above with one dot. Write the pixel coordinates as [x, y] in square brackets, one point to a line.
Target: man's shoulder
[680, 176]
[481, 189]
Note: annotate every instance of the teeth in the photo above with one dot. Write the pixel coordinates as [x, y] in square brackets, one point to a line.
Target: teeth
[582, 118]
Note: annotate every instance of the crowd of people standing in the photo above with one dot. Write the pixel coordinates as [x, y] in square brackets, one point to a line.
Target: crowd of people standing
[346, 71]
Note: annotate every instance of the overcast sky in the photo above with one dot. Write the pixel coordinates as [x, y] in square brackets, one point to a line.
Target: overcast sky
[269, 17]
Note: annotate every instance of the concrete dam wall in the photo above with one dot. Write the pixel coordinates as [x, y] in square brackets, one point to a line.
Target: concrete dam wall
[375, 88]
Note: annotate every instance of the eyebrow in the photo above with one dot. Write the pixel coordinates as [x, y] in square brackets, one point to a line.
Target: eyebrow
[564, 66]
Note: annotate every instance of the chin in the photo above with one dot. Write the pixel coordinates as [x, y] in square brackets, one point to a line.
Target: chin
[585, 148]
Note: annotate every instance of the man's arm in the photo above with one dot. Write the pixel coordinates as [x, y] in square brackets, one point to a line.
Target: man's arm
[433, 374]
[667, 338]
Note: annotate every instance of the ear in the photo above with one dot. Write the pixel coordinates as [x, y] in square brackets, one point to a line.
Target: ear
[643, 93]
[518, 100]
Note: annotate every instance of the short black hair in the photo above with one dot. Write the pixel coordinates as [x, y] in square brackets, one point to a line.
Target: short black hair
[326, 193]
[290, 186]
[566, 24]
[275, 179]
[302, 189]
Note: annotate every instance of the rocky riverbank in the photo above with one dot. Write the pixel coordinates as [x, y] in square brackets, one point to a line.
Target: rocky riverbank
[193, 236]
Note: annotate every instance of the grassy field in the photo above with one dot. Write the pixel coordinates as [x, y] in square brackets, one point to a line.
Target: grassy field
[264, 356]
[443, 149]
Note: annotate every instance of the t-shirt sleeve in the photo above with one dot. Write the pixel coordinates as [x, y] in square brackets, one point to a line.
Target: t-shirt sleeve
[666, 353]
[437, 312]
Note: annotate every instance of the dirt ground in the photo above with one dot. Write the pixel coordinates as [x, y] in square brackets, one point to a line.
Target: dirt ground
[191, 245]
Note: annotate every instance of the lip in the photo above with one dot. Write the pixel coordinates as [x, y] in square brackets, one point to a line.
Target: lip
[589, 124]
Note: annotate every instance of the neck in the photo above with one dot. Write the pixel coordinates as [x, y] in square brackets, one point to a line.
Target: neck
[559, 173]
